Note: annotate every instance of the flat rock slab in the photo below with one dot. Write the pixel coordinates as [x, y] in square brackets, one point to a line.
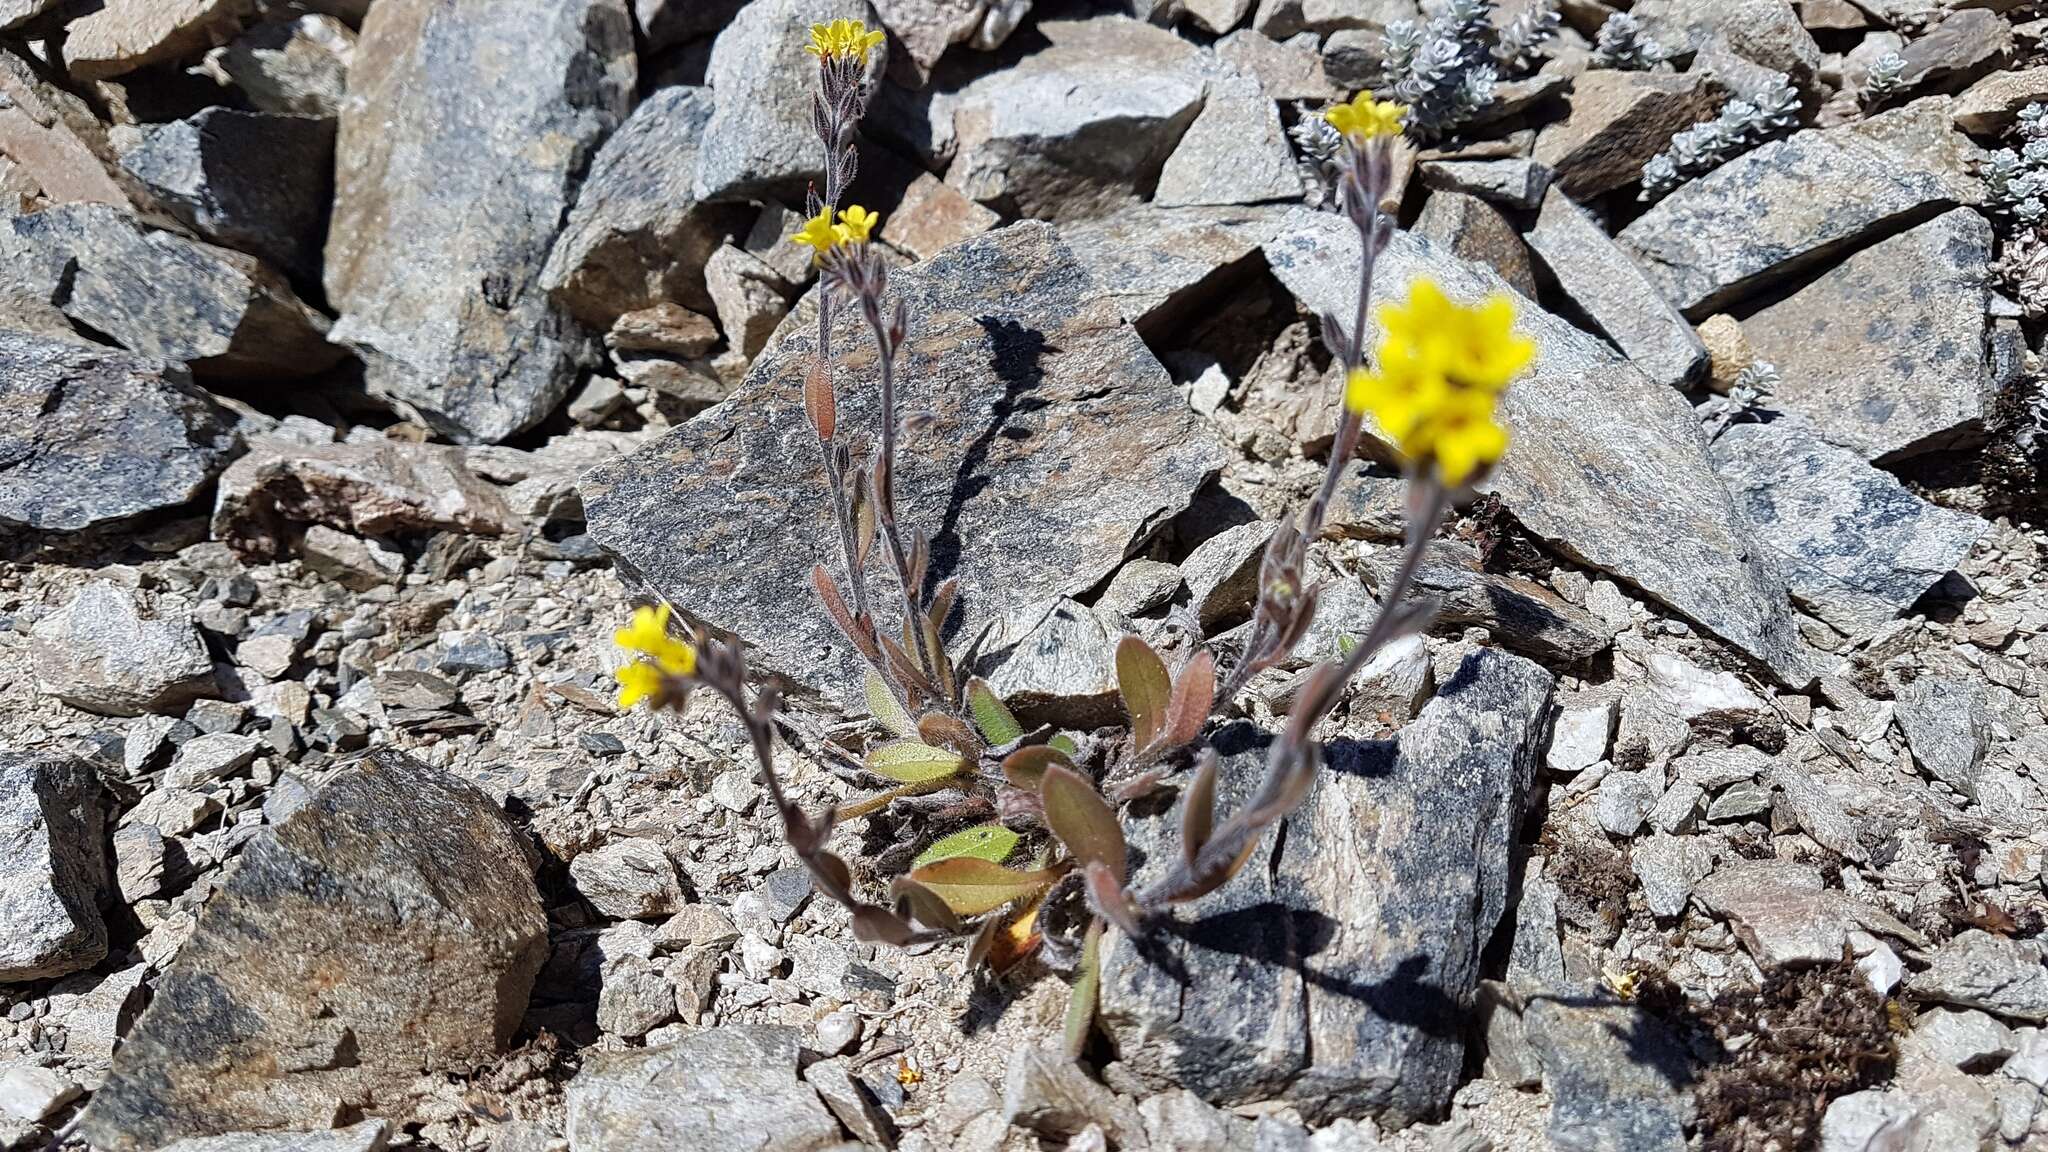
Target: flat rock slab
[1615, 293]
[114, 652]
[53, 867]
[1236, 151]
[1340, 977]
[375, 489]
[1887, 351]
[730, 1089]
[1857, 547]
[465, 131]
[122, 35]
[1617, 1077]
[1765, 215]
[1056, 446]
[94, 436]
[1599, 450]
[1618, 121]
[1161, 264]
[389, 929]
[200, 169]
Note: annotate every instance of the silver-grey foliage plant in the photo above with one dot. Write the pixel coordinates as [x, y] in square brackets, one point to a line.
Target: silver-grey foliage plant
[1740, 126]
[2017, 180]
[1444, 69]
[1623, 45]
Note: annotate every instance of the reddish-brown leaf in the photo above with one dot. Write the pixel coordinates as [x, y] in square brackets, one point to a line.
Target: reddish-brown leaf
[1141, 678]
[1193, 694]
[1082, 819]
[1025, 767]
[819, 403]
[1198, 808]
[924, 905]
[842, 617]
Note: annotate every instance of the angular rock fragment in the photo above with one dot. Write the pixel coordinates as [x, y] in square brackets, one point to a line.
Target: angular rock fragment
[1081, 127]
[1056, 446]
[667, 23]
[744, 292]
[759, 142]
[1963, 46]
[93, 436]
[1236, 151]
[1598, 449]
[378, 488]
[1764, 33]
[122, 35]
[1290, 69]
[1767, 214]
[368, 1136]
[1522, 615]
[446, 202]
[387, 930]
[1163, 264]
[1054, 666]
[1991, 105]
[1611, 288]
[1342, 984]
[1471, 229]
[933, 215]
[920, 31]
[1979, 970]
[1947, 725]
[729, 1089]
[108, 651]
[53, 867]
[1618, 121]
[55, 142]
[1856, 546]
[1785, 916]
[1885, 353]
[296, 67]
[201, 169]
[1615, 1075]
[638, 237]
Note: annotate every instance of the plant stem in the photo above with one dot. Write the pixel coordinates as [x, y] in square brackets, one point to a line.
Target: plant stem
[885, 492]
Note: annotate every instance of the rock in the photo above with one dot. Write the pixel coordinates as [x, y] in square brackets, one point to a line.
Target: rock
[1992, 105]
[53, 867]
[15, 13]
[1766, 33]
[1964, 1039]
[667, 23]
[638, 237]
[1783, 915]
[1885, 352]
[1236, 151]
[211, 757]
[1280, 19]
[1338, 983]
[1598, 448]
[1163, 265]
[727, 1089]
[138, 861]
[1668, 867]
[379, 488]
[297, 67]
[2029, 1061]
[57, 147]
[1081, 127]
[322, 971]
[1614, 292]
[1728, 351]
[920, 31]
[1817, 810]
[34, 1093]
[350, 561]
[667, 329]
[199, 168]
[1976, 969]
[635, 1000]
[1712, 704]
[1770, 213]
[92, 436]
[123, 35]
[445, 210]
[1183, 1120]
[111, 652]
[1521, 614]
[1625, 801]
[1618, 121]
[987, 317]
[1054, 665]
[1471, 229]
[1046, 1093]
[628, 880]
[1222, 574]
[1289, 69]
[1579, 738]
[368, 1136]
[749, 305]
[1947, 725]
[1855, 545]
[1516, 182]
[851, 1103]
[759, 143]
[223, 313]
[932, 215]
[1964, 46]
[1140, 586]
[1615, 1076]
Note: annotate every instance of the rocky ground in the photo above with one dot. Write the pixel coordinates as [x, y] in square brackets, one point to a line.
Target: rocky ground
[362, 362]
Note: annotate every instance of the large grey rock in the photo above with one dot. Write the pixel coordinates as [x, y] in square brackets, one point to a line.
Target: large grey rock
[1236, 151]
[759, 143]
[1616, 1075]
[466, 128]
[1948, 726]
[377, 488]
[92, 436]
[120, 36]
[638, 237]
[1995, 973]
[920, 31]
[1886, 352]
[667, 23]
[109, 651]
[203, 169]
[1521, 614]
[14, 13]
[1767, 33]
[1856, 546]
[367, 1136]
[1338, 976]
[223, 313]
[299, 67]
[1056, 446]
[53, 867]
[729, 1089]
[1080, 127]
[1614, 292]
[1162, 265]
[1784, 916]
[1471, 229]
[1789, 205]
[1054, 664]
[1598, 450]
[1960, 48]
[1618, 121]
[382, 936]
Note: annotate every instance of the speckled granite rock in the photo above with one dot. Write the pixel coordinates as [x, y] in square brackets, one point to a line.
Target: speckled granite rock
[53, 867]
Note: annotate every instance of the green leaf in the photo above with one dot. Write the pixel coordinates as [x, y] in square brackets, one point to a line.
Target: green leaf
[1065, 744]
[997, 726]
[1346, 645]
[1081, 1001]
[1146, 688]
[883, 704]
[990, 842]
[1083, 820]
[971, 887]
[913, 763]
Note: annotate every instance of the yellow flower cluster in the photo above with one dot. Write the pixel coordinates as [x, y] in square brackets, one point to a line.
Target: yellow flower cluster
[842, 39]
[820, 233]
[665, 655]
[1364, 118]
[1440, 370]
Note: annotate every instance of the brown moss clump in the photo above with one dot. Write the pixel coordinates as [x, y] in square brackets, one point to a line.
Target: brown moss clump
[1789, 1047]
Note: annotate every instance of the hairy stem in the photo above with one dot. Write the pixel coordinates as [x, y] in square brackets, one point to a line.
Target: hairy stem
[885, 491]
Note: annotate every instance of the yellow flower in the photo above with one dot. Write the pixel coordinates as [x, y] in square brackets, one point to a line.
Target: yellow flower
[818, 232]
[1439, 373]
[855, 223]
[1400, 395]
[1474, 347]
[648, 635]
[1365, 118]
[842, 39]
[638, 681]
[1460, 436]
